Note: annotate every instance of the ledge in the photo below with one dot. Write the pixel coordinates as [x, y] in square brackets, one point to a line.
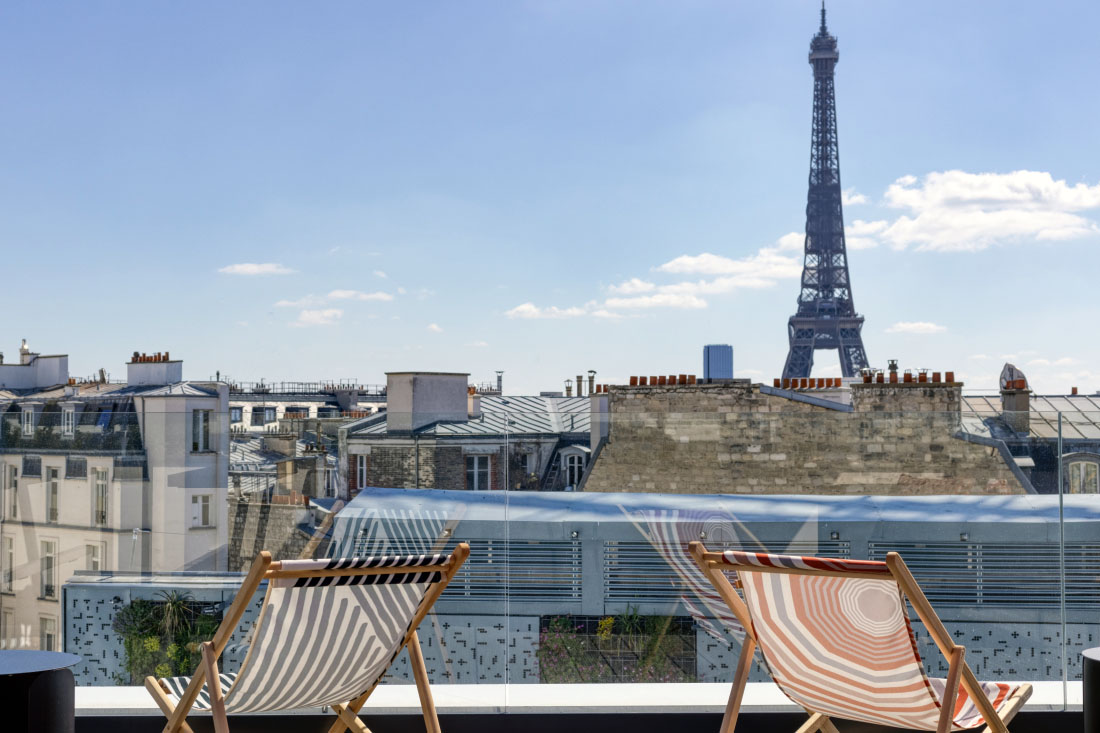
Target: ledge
[519, 699]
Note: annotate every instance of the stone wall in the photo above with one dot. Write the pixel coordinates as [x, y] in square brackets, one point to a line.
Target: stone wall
[256, 526]
[733, 438]
[440, 467]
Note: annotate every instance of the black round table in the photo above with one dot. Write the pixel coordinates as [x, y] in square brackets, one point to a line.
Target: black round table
[37, 690]
[1090, 689]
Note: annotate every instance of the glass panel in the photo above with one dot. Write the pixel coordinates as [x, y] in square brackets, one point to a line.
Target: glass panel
[580, 568]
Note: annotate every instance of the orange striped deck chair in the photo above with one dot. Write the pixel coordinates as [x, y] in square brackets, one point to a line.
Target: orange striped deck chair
[835, 636]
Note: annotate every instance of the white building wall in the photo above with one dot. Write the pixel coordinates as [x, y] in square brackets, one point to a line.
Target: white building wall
[73, 532]
[177, 473]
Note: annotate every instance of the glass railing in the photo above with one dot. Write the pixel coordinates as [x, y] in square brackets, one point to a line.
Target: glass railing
[124, 539]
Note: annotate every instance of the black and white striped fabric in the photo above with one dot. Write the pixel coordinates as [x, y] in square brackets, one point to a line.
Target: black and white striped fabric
[178, 685]
[324, 641]
[393, 561]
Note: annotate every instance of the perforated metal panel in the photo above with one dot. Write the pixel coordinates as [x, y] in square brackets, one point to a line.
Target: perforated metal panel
[519, 570]
[1007, 574]
[635, 572]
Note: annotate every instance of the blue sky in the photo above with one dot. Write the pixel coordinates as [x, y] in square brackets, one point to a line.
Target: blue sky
[530, 186]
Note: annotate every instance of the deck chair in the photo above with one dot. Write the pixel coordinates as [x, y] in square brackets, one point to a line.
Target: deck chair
[327, 632]
[836, 638]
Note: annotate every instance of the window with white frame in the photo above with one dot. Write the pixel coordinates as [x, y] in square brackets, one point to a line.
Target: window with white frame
[200, 430]
[1084, 477]
[200, 511]
[477, 473]
[47, 633]
[8, 558]
[10, 500]
[574, 469]
[236, 414]
[360, 472]
[99, 497]
[93, 556]
[51, 494]
[68, 422]
[48, 570]
[27, 418]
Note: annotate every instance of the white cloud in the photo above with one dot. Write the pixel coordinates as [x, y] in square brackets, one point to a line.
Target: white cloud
[530, 311]
[435, 328]
[380, 273]
[767, 263]
[660, 300]
[304, 302]
[978, 357]
[849, 197]
[918, 327]
[794, 241]
[632, 286]
[1063, 362]
[319, 317]
[862, 234]
[356, 295]
[760, 270]
[254, 268]
[401, 291]
[954, 211]
[478, 344]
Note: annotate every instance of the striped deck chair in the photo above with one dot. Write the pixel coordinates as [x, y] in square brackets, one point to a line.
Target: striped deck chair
[327, 632]
[836, 638]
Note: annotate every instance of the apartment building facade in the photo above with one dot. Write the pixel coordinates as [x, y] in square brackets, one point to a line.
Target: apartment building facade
[104, 476]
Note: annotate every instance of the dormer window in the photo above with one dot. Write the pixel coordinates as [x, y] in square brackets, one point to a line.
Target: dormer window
[27, 419]
[1084, 477]
[68, 422]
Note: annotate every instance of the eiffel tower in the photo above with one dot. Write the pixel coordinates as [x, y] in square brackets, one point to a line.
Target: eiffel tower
[826, 317]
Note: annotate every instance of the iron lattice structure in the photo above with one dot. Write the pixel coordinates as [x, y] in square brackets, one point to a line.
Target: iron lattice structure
[826, 317]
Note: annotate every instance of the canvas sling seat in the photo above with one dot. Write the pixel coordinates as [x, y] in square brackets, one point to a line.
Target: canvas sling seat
[835, 636]
[327, 632]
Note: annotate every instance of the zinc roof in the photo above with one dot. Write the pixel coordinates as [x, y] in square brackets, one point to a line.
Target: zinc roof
[503, 416]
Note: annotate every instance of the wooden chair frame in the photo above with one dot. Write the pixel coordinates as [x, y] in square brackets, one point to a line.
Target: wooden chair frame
[264, 568]
[712, 564]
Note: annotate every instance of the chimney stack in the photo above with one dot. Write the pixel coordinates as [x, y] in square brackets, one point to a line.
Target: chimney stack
[580, 385]
[1015, 399]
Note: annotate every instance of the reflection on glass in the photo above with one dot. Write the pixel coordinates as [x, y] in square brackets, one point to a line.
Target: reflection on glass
[121, 522]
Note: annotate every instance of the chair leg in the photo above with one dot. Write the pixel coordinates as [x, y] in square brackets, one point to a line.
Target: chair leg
[950, 690]
[740, 678]
[160, 696]
[423, 689]
[352, 707]
[213, 683]
[1012, 706]
[350, 719]
[817, 722]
